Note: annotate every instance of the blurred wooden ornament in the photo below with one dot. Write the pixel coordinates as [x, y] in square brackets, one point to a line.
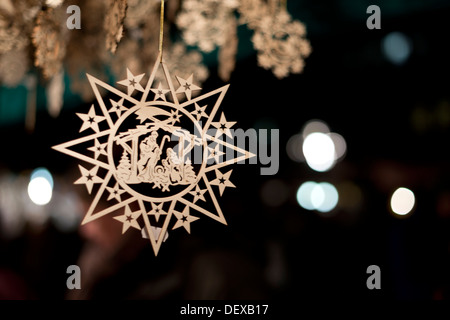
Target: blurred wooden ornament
[280, 41]
[114, 21]
[228, 51]
[49, 41]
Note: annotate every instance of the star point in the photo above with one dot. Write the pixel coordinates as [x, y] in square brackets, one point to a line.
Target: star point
[160, 93]
[114, 193]
[157, 210]
[215, 153]
[198, 194]
[132, 82]
[223, 126]
[199, 112]
[223, 181]
[184, 219]
[186, 86]
[98, 149]
[117, 107]
[174, 117]
[129, 219]
[90, 120]
[88, 177]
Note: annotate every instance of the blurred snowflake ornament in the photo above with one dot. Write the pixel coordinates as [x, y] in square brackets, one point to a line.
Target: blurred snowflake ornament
[114, 20]
[251, 12]
[49, 39]
[54, 3]
[13, 67]
[281, 43]
[204, 22]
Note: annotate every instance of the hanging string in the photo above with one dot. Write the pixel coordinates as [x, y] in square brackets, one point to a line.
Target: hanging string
[161, 30]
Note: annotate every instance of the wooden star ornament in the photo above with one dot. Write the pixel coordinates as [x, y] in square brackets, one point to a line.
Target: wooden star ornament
[142, 163]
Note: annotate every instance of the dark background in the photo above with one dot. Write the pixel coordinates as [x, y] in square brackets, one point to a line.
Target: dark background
[283, 252]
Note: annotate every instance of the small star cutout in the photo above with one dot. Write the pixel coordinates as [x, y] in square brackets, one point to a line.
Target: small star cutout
[175, 117]
[117, 107]
[215, 153]
[184, 219]
[198, 194]
[160, 93]
[222, 180]
[199, 112]
[88, 177]
[223, 126]
[132, 82]
[115, 192]
[129, 219]
[157, 210]
[186, 86]
[98, 149]
[90, 120]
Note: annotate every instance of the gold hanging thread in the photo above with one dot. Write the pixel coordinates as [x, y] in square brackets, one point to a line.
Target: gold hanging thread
[161, 30]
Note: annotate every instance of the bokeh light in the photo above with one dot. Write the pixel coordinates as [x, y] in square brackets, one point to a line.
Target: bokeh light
[396, 47]
[44, 173]
[340, 146]
[316, 145]
[322, 197]
[313, 126]
[402, 201]
[304, 195]
[40, 187]
[319, 151]
[329, 196]
[294, 148]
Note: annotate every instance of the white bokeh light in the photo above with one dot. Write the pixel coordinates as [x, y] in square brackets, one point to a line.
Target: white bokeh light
[322, 197]
[304, 195]
[402, 201]
[397, 47]
[44, 173]
[40, 190]
[340, 145]
[315, 126]
[329, 196]
[319, 151]
[294, 148]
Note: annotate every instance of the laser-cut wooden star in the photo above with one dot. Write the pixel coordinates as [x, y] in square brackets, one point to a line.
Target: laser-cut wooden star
[88, 177]
[90, 120]
[98, 149]
[157, 210]
[114, 193]
[132, 82]
[117, 107]
[200, 112]
[186, 86]
[129, 219]
[178, 178]
[223, 180]
[198, 194]
[184, 219]
[223, 126]
[215, 153]
[160, 93]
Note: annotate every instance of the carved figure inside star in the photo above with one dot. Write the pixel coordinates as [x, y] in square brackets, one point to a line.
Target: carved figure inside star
[172, 165]
[149, 156]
